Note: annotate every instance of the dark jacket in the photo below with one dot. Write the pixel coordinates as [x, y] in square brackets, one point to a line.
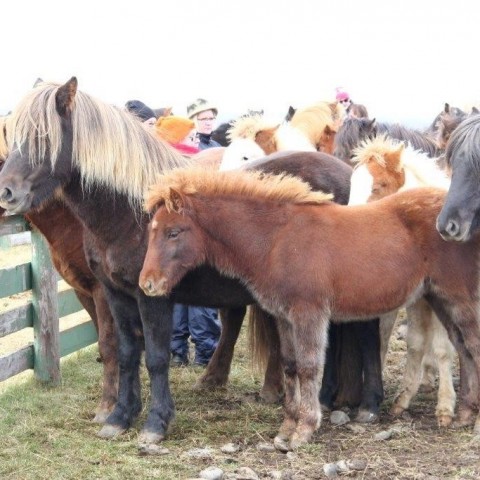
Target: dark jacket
[206, 141]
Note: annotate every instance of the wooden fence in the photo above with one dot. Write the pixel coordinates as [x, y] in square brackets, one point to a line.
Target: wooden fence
[43, 312]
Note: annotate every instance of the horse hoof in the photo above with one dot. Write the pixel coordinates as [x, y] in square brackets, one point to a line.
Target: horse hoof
[396, 410]
[281, 444]
[269, 396]
[148, 438]
[461, 423]
[110, 431]
[444, 421]
[364, 416]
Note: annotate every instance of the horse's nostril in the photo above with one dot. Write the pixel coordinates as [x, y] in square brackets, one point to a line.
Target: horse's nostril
[452, 228]
[6, 194]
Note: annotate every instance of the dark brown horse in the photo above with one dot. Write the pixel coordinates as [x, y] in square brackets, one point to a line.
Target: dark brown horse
[263, 230]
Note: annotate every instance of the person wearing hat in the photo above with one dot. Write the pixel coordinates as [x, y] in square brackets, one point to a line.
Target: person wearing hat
[199, 323]
[204, 115]
[343, 97]
[140, 110]
[179, 132]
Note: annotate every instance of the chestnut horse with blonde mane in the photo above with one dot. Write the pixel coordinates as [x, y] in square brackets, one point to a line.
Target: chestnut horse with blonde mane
[385, 166]
[261, 230]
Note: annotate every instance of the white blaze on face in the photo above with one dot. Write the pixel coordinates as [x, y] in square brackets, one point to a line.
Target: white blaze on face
[241, 150]
[361, 184]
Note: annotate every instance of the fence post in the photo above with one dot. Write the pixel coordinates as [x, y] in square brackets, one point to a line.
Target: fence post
[45, 313]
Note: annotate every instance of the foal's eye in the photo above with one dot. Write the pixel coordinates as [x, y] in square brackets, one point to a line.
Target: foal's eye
[173, 233]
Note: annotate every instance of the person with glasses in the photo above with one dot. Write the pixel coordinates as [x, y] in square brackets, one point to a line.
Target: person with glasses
[201, 324]
[344, 98]
[204, 115]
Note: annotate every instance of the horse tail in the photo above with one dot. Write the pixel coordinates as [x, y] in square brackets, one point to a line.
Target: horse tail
[260, 327]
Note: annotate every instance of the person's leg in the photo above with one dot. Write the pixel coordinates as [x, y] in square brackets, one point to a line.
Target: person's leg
[205, 328]
[180, 333]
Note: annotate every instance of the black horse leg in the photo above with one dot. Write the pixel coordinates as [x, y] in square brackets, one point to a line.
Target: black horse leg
[368, 334]
[130, 344]
[329, 387]
[156, 314]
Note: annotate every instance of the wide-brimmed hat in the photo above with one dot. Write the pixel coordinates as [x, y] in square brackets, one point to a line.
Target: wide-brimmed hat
[200, 105]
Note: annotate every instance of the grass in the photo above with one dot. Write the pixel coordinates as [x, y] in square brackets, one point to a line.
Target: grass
[46, 433]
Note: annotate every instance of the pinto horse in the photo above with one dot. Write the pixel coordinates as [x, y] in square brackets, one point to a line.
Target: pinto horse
[394, 256]
[459, 219]
[383, 167]
[101, 169]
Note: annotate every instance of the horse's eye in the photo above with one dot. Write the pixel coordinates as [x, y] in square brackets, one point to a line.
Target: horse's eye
[173, 233]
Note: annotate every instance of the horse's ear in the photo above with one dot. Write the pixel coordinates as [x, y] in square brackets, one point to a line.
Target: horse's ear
[328, 130]
[66, 96]
[167, 112]
[446, 108]
[38, 81]
[475, 110]
[176, 203]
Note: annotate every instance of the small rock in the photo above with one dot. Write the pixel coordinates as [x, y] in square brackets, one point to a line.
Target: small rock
[212, 473]
[330, 470]
[402, 332]
[342, 466]
[275, 475]
[265, 447]
[246, 473]
[337, 417]
[291, 456]
[230, 448]
[384, 435]
[200, 453]
[357, 464]
[356, 428]
[152, 449]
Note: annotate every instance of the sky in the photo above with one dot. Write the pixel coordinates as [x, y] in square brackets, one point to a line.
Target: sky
[403, 60]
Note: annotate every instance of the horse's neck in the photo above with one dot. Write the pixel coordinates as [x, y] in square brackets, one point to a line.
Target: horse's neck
[107, 215]
[421, 170]
[292, 138]
[229, 240]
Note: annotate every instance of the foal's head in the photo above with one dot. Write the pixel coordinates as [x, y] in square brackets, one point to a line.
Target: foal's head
[379, 171]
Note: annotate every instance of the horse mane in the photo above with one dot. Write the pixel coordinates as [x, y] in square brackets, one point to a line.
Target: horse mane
[110, 146]
[424, 168]
[247, 184]
[313, 120]
[247, 127]
[464, 139]
[3, 138]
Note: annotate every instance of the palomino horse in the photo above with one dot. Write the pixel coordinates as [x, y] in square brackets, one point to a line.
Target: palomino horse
[354, 130]
[62, 232]
[459, 219]
[101, 169]
[383, 167]
[394, 256]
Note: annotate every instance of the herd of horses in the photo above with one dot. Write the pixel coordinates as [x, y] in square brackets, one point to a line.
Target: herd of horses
[232, 228]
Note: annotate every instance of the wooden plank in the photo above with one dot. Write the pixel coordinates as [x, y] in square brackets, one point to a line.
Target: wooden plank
[15, 279]
[77, 337]
[68, 303]
[16, 362]
[16, 319]
[13, 224]
[45, 309]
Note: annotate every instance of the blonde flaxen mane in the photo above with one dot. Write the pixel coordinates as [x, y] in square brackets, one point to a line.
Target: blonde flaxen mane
[110, 146]
[249, 184]
[248, 127]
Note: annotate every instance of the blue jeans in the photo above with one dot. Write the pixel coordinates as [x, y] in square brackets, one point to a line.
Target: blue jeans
[202, 324]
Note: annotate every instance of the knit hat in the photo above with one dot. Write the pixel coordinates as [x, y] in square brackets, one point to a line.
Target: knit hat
[139, 109]
[173, 129]
[341, 94]
[198, 106]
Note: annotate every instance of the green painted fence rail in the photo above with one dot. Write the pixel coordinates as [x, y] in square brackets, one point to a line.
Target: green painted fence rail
[42, 313]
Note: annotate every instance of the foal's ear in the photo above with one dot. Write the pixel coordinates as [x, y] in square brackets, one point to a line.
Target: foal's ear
[177, 202]
[447, 108]
[66, 96]
[475, 110]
